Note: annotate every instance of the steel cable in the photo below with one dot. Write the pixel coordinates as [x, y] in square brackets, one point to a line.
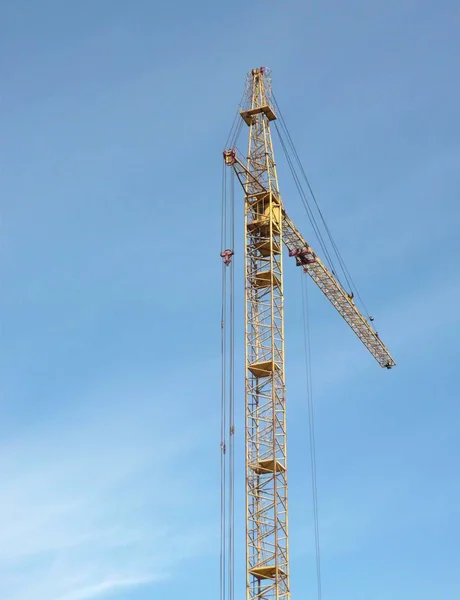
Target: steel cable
[346, 273]
[311, 429]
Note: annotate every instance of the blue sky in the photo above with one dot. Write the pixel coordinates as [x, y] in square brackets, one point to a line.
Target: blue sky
[113, 116]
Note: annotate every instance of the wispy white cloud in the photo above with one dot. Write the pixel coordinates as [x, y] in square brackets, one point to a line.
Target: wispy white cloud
[105, 587]
[98, 500]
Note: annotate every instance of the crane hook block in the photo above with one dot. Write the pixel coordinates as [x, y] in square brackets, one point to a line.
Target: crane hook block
[230, 157]
[303, 256]
[227, 256]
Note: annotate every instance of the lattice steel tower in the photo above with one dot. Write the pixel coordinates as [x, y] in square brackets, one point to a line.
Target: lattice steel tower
[266, 473]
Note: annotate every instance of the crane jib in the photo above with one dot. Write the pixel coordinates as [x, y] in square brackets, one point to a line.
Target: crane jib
[299, 248]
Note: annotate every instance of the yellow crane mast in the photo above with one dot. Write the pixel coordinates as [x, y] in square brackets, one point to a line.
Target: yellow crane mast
[267, 228]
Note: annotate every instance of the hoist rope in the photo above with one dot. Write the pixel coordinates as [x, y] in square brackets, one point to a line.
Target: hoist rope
[311, 429]
[232, 397]
[223, 409]
[227, 489]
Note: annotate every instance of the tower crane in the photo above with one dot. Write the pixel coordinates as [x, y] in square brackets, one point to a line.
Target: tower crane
[267, 229]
